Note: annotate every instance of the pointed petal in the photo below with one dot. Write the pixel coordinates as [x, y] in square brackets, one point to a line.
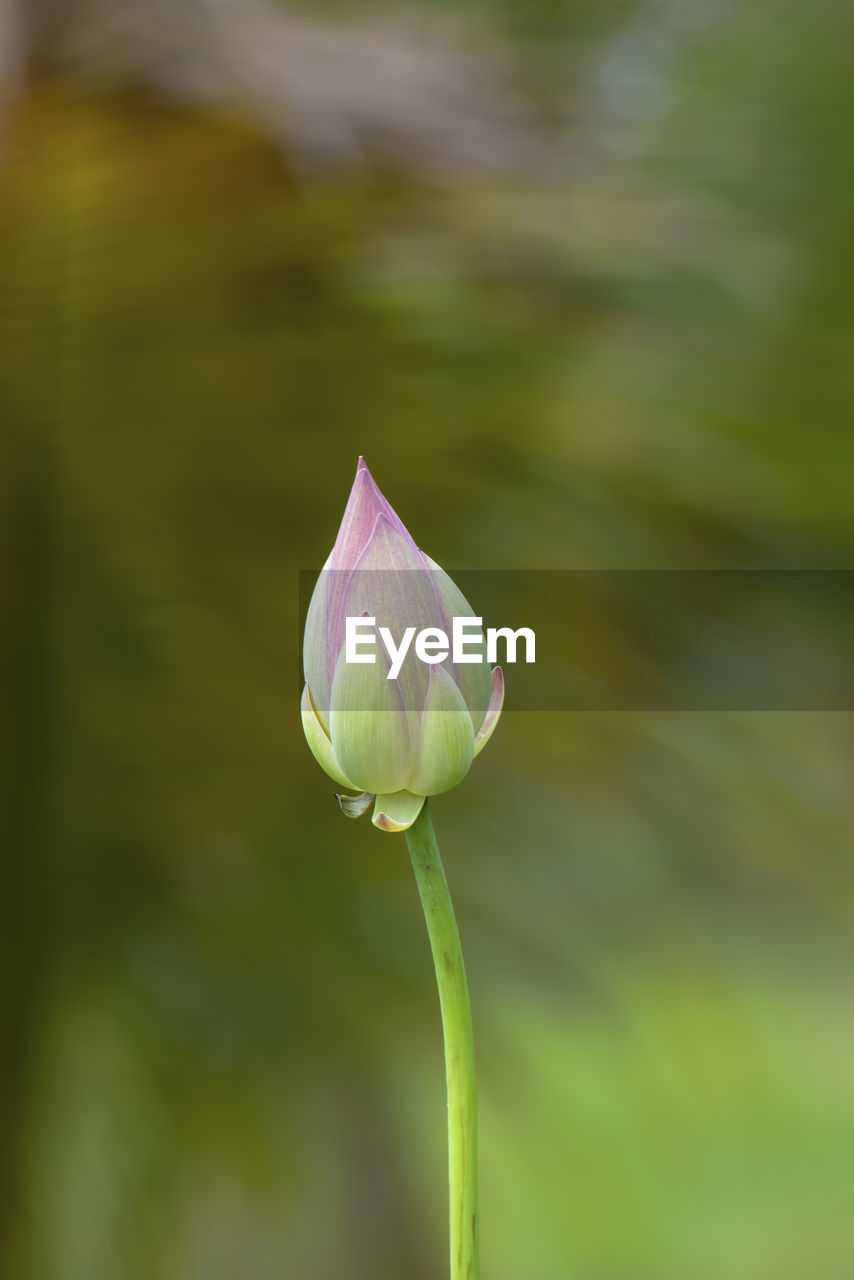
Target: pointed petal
[444, 747]
[355, 806]
[324, 624]
[390, 551]
[382, 500]
[397, 812]
[321, 747]
[369, 726]
[496, 702]
[364, 505]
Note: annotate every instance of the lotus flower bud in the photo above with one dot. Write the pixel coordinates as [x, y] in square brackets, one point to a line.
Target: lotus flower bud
[394, 730]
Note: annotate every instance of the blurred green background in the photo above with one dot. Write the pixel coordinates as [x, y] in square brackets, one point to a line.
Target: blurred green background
[616, 331]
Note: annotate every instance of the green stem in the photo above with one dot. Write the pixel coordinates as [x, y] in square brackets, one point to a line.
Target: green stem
[459, 1045]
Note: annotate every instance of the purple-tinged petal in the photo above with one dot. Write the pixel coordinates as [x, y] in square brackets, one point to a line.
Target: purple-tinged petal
[392, 584]
[318, 658]
[364, 505]
[493, 711]
[471, 678]
[324, 627]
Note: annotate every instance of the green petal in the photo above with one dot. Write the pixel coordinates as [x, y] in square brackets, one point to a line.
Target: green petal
[369, 727]
[321, 747]
[397, 812]
[445, 745]
[493, 711]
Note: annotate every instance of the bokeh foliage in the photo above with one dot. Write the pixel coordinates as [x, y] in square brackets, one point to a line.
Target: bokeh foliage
[222, 1053]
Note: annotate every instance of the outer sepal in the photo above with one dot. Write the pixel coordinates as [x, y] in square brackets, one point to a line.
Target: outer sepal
[355, 806]
[397, 812]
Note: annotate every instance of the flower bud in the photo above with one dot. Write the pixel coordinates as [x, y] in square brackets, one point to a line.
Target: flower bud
[391, 724]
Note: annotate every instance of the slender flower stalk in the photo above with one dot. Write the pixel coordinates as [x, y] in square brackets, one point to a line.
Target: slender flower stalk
[459, 1046]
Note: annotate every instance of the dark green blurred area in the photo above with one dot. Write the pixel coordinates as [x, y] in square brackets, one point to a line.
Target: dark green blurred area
[221, 1047]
